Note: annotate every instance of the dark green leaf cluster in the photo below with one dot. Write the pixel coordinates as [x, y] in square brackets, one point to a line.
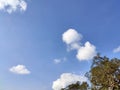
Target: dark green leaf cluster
[77, 86]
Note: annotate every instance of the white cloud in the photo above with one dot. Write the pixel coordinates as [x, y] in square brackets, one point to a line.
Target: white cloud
[86, 52]
[13, 5]
[72, 39]
[67, 79]
[19, 69]
[57, 61]
[73, 46]
[116, 50]
[71, 36]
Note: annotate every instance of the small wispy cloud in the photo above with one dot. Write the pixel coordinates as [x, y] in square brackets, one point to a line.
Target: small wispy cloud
[19, 69]
[13, 5]
[56, 61]
[67, 79]
[73, 41]
[59, 60]
[116, 50]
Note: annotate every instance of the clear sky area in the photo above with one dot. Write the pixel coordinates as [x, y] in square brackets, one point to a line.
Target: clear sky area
[45, 43]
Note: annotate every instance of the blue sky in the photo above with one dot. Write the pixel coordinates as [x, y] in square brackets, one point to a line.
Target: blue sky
[31, 35]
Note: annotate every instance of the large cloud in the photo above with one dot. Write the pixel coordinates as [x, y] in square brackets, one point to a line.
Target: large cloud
[19, 69]
[86, 52]
[67, 79]
[72, 39]
[13, 5]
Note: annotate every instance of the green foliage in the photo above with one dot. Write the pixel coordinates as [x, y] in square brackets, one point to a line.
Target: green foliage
[77, 86]
[103, 75]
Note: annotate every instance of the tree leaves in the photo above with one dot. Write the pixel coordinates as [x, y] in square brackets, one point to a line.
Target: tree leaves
[103, 75]
[77, 86]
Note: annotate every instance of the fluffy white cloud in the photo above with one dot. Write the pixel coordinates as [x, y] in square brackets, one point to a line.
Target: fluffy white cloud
[72, 38]
[86, 52]
[116, 50]
[19, 69]
[13, 5]
[67, 79]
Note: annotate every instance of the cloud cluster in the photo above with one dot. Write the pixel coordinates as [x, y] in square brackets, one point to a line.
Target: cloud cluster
[67, 79]
[13, 5]
[19, 69]
[73, 40]
[116, 50]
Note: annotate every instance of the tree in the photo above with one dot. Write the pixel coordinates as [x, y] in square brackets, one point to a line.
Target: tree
[105, 73]
[77, 86]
